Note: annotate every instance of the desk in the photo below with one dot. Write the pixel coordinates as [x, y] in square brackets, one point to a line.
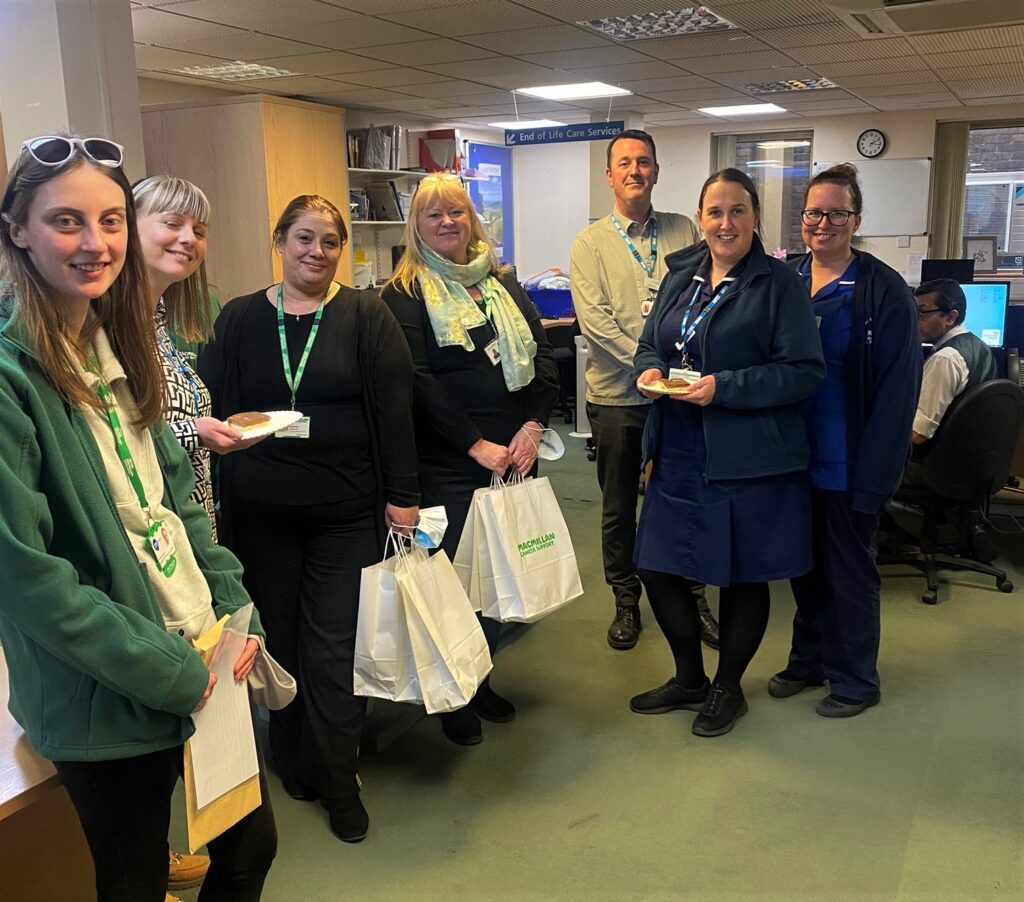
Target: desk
[43, 853]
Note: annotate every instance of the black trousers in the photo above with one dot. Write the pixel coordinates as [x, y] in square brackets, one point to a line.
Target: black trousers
[125, 809]
[302, 568]
[617, 435]
[837, 627]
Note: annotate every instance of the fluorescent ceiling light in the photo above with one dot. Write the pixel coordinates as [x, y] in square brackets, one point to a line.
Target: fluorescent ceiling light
[636, 27]
[748, 109]
[527, 123]
[765, 163]
[574, 92]
[236, 71]
[782, 145]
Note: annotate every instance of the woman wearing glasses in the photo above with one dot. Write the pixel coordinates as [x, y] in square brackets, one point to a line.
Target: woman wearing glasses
[728, 501]
[110, 568]
[485, 376]
[859, 424]
[308, 509]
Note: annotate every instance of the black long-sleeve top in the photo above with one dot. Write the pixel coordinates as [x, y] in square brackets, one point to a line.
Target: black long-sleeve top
[356, 389]
[460, 396]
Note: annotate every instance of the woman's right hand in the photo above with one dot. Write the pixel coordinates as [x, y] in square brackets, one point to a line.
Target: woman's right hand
[646, 378]
[490, 456]
[220, 437]
[206, 694]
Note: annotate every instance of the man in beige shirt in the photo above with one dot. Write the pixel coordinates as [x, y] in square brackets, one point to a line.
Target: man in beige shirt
[616, 266]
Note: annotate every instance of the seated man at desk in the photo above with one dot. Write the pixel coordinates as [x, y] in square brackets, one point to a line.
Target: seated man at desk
[959, 359]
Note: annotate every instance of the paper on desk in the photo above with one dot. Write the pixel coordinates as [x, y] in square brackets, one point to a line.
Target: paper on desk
[223, 746]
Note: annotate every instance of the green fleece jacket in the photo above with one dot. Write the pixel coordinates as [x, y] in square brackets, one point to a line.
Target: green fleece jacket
[94, 675]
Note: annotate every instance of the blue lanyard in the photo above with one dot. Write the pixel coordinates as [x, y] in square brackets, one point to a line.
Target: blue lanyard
[687, 332]
[647, 267]
[174, 358]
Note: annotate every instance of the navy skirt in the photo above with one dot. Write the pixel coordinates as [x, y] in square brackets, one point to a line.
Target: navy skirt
[740, 530]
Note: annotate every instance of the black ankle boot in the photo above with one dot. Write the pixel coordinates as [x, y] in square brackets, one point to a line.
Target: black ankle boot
[349, 820]
[462, 727]
[625, 628]
[488, 705]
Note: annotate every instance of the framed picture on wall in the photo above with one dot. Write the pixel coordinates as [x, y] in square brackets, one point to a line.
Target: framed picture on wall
[982, 249]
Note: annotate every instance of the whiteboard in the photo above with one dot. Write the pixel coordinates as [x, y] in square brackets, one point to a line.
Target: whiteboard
[895, 195]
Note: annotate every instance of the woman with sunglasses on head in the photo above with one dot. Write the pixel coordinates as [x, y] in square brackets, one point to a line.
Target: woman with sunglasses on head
[486, 377]
[859, 424]
[727, 502]
[110, 567]
[173, 218]
[308, 509]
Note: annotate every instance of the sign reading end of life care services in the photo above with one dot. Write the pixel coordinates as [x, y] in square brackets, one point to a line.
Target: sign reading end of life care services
[562, 134]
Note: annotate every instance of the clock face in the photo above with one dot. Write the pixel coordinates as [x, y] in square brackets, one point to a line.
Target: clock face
[871, 143]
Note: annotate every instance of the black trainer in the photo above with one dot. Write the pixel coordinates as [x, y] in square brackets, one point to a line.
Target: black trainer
[786, 683]
[670, 696]
[720, 712]
[625, 628]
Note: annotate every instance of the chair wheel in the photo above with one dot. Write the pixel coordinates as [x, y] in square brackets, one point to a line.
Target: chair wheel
[930, 596]
[1004, 585]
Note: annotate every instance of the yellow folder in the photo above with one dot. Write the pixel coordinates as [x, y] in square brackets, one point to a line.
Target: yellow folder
[208, 823]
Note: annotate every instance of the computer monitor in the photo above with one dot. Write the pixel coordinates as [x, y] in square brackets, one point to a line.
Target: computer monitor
[986, 310]
[961, 271]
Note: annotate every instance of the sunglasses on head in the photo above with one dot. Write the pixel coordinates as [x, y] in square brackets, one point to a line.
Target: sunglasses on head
[54, 150]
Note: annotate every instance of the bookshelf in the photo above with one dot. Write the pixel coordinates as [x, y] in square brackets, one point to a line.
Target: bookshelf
[377, 236]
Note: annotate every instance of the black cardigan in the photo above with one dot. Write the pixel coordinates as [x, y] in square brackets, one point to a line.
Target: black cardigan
[387, 385]
[460, 396]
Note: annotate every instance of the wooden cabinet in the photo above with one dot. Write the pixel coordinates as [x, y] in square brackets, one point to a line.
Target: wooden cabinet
[251, 154]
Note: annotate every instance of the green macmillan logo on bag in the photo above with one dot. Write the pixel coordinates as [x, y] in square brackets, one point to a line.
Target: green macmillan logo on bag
[537, 544]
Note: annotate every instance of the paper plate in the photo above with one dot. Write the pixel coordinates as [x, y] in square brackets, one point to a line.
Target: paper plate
[278, 420]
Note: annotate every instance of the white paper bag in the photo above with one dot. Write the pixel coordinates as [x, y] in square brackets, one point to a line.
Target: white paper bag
[532, 563]
[448, 642]
[467, 561]
[384, 664]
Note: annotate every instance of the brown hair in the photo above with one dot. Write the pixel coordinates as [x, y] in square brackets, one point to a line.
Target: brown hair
[121, 311]
[634, 134]
[308, 203]
[738, 177]
[187, 302]
[446, 189]
[844, 175]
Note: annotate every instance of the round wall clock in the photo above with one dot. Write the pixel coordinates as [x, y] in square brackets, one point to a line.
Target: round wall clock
[871, 143]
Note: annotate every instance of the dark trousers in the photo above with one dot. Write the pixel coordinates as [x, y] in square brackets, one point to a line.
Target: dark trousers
[617, 435]
[302, 569]
[837, 626]
[125, 810]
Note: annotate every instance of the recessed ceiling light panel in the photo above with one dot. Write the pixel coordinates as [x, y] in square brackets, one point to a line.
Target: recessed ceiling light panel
[639, 26]
[582, 91]
[748, 109]
[527, 123]
[792, 84]
[236, 71]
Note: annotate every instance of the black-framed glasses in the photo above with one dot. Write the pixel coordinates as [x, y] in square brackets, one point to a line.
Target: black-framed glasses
[836, 217]
[922, 312]
[55, 150]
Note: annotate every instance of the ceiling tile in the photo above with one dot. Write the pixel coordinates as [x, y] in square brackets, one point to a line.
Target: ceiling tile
[306, 84]
[261, 15]
[988, 87]
[859, 50]
[454, 87]
[388, 6]
[918, 77]
[890, 65]
[778, 14]
[973, 73]
[330, 62]
[389, 78]
[992, 56]
[473, 18]
[501, 67]
[716, 43]
[537, 40]
[738, 62]
[915, 103]
[676, 83]
[580, 59]
[755, 76]
[161, 58]
[373, 96]
[580, 10]
[245, 45]
[974, 39]
[698, 96]
[418, 53]
[490, 98]
[617, 75]
[154, 26]
[806, 35]
[361, 31]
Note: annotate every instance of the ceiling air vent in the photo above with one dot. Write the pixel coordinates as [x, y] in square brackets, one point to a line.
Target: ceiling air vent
[885, 18]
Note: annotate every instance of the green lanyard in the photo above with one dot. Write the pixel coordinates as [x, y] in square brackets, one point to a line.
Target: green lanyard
[293, 382]
[123, 451]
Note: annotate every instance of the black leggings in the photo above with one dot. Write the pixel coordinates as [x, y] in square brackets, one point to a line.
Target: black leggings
[742, 616]
[125, 810]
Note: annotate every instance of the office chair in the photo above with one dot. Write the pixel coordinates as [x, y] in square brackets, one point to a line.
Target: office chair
[560, 338]
[968, 461]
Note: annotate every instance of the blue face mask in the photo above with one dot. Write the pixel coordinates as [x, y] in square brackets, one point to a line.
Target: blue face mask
[430, 527]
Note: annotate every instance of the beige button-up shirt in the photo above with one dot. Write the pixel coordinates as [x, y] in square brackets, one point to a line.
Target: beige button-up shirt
[609, 291]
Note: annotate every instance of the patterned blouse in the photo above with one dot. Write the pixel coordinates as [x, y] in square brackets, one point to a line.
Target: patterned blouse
[186, 399]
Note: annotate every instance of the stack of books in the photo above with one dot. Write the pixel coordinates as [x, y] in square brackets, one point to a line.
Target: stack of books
[376, 147]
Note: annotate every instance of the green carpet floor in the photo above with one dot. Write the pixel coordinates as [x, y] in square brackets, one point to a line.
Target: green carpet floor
[920, 798]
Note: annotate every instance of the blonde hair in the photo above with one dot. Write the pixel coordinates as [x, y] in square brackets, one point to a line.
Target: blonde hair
[447, 190]
[187, 302]
[121, 311]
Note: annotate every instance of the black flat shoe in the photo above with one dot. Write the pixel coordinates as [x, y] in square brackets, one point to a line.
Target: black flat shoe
[488, 705]
[349, 820]
[462, 727]
[299, 790]
[837, 706]
[720, 712]
[786, 683]
[670, 696]
[625, 628]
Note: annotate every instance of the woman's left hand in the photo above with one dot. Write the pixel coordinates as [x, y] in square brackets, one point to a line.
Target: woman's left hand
[401, 519]
[246, 659]
[523, 447]
[701, 392]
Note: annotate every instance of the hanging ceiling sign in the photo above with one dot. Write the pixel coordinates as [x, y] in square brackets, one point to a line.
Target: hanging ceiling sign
[562, 134]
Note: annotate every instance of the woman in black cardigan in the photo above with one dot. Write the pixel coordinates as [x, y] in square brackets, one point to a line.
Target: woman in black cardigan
[307, 509]
[486, 377]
